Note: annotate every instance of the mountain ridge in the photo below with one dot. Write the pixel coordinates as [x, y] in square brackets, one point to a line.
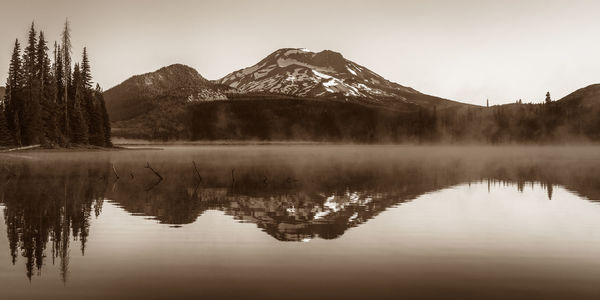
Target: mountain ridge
[287, 72]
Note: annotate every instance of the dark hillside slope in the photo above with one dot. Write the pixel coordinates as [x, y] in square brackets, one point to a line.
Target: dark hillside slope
[573, 119]
[281, 120]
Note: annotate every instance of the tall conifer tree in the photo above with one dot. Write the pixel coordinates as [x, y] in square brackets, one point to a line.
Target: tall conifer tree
[78, 124]
[14, 94]
[90, 108]
[31, 127]
[66, 62]
[59, 80]
[47, 92]
[105, 119]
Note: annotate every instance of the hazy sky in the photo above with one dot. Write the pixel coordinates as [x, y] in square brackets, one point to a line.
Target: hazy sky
[466, 50]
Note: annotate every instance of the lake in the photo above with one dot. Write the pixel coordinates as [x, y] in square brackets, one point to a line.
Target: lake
[287, 221]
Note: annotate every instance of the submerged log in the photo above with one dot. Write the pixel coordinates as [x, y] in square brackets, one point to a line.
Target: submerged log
[153, 171]
[197, 172]
[115, 171]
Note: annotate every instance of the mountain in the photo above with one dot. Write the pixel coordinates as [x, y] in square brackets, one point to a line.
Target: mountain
[141, 94]
[285, 74]
[326, 74]
[298, 95]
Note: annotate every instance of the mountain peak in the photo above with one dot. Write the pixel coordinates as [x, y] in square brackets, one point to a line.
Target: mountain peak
[304, 73]
[178, 68]
[169, 77]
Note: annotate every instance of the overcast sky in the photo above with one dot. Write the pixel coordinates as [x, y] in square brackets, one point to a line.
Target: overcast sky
[466, 50]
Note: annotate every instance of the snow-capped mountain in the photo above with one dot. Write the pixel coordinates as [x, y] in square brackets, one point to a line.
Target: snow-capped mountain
[300, 72]
[286, 73]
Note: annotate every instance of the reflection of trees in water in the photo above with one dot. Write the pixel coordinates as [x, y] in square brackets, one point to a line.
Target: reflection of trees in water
[47, 205]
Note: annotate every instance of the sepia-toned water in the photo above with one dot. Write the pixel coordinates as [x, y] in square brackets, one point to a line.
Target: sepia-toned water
[287, 221]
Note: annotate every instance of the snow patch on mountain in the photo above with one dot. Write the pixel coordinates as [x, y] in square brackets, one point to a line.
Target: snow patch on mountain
[207, 95]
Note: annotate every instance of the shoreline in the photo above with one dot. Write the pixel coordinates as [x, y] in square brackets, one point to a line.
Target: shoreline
[147, 145]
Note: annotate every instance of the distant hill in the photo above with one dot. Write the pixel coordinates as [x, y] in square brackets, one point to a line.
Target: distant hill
[141, 94]
[588, 97]
[572, 119]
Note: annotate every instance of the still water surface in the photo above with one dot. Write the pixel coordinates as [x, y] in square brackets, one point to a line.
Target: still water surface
[302, 222]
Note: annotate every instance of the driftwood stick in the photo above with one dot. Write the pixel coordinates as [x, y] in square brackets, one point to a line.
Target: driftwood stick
[20, 148]
[152, 186]
[153, 171]
[115, 171]
[197, 172]
[232, 176]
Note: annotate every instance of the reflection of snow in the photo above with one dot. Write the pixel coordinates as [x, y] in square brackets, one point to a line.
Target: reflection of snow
[320, 215]
[336, 203]
[332, 205]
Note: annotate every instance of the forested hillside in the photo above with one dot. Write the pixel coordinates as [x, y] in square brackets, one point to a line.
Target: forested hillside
[576, 118]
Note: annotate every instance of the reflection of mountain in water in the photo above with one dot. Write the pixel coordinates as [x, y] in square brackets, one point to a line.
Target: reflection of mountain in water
[46, 206]
[298, 216]
[287, 204]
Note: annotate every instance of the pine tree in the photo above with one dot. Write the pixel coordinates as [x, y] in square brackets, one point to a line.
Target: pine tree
[59, 80]
[105, 119]
[66, 63]
[29, 57]
[88, 106]
[96, 124]
[31, 127]
[78, 124]
[96, 127]
[548, 99]
[86, 73]
[47, 92]
[14, 94]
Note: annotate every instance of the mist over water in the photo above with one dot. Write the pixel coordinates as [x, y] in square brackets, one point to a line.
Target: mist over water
[338, 221]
